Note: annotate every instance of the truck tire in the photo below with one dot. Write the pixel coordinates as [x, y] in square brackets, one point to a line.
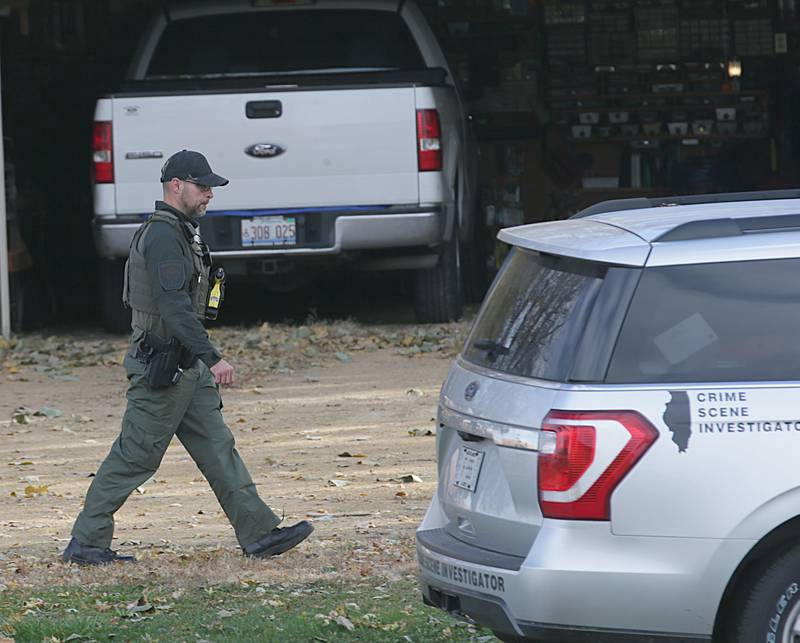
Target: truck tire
[438, 294]
[116, 318]
[771, 606]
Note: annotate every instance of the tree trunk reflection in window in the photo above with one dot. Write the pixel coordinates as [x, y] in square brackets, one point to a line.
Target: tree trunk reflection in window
[528, 326]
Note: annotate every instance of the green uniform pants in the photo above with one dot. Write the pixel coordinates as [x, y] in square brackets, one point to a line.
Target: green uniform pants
[191, 410]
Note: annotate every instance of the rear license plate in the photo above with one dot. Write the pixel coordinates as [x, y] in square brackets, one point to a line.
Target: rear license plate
[468, 468]
[269, 231]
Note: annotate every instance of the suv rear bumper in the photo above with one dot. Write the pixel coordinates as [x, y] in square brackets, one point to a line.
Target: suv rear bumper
[580, 582]
[422, 227]
[493, 613]
[489, 601]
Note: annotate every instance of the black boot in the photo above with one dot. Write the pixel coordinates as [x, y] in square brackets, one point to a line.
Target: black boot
[88, 555]
[279, 540]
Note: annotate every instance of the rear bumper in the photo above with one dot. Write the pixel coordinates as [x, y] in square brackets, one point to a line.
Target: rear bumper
[422, 227]
[491, 597]
[493, 613]
[580, 582]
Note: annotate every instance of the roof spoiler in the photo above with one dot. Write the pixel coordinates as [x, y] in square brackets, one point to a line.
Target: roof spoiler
[639, 203]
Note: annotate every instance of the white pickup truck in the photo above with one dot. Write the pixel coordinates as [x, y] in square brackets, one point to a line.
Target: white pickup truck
[338, 123]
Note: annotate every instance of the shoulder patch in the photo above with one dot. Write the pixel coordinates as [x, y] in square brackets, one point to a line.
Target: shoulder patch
[171, 275]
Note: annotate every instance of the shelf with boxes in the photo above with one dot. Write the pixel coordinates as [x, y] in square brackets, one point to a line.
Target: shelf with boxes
[574, 82]
[676, 115]
[478, 10]
[620, 31]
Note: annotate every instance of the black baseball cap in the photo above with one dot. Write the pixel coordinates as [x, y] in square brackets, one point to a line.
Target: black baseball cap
[191, 166]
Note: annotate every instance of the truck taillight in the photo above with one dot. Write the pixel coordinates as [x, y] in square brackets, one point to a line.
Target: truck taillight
[429, 142]
[103, 152]
[584, 455]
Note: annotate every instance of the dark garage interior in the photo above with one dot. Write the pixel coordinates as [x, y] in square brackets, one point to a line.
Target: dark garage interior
[572, 103]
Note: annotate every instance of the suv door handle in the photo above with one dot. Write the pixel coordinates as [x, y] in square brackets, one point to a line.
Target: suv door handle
[263, 109]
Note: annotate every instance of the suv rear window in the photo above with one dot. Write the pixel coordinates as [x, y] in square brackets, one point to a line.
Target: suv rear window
[721, 322]
[533, 321]
[270, 42]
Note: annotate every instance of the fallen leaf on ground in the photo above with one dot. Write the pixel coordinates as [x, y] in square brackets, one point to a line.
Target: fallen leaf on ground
[409, 477]
[345, 623]
[35, 490]
[22, 415]
[48, 411]
[140, 607]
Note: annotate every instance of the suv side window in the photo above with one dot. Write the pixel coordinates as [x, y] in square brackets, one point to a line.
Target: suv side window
[285, 41]
[687, 324]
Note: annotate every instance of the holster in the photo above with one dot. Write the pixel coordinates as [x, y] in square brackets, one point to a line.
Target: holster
[164, 359]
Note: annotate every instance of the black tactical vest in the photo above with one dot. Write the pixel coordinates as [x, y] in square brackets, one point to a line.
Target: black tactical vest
[137, 292]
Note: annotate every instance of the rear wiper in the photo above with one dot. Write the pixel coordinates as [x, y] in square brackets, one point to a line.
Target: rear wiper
[491, 346]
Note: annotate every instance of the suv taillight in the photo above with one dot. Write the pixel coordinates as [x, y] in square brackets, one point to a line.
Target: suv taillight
[429, 142]
[103, 152]
[583, 456]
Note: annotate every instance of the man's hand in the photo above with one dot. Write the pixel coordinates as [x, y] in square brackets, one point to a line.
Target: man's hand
[222, 372]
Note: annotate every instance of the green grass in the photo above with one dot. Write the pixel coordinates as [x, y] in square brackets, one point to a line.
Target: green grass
[235, 613]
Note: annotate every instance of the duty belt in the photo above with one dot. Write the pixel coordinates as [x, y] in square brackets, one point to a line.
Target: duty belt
[151, 344]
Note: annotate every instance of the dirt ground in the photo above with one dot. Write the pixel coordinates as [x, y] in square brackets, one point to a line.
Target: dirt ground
[330, 442]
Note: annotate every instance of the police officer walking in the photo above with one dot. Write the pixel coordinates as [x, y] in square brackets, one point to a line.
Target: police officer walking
[174, 373]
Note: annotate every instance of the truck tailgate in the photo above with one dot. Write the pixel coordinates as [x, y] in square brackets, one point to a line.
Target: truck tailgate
[341, 147]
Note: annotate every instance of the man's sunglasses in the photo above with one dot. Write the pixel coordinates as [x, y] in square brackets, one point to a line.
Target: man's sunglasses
[202, 188]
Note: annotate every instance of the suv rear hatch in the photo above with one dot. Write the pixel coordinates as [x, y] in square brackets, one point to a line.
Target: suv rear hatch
[548, 325]
[301, 108]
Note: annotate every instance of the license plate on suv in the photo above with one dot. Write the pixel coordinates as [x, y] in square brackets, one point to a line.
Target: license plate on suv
[468, 468]
[269, 231]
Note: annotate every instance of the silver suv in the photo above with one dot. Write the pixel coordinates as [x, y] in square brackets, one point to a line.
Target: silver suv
[619, 441]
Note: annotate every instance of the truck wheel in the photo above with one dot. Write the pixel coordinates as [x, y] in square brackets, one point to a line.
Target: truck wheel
[116, 318]
[771, 607]
[438, 295]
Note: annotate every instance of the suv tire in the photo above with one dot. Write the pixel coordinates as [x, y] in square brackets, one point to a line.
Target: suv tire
[116, 318]
[771, 606]
[438, 293]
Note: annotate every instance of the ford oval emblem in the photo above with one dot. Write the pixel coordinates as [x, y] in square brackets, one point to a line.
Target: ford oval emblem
[471, 390]
[265, 150]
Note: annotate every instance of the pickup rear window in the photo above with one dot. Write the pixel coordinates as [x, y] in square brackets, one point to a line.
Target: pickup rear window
[275, 42]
